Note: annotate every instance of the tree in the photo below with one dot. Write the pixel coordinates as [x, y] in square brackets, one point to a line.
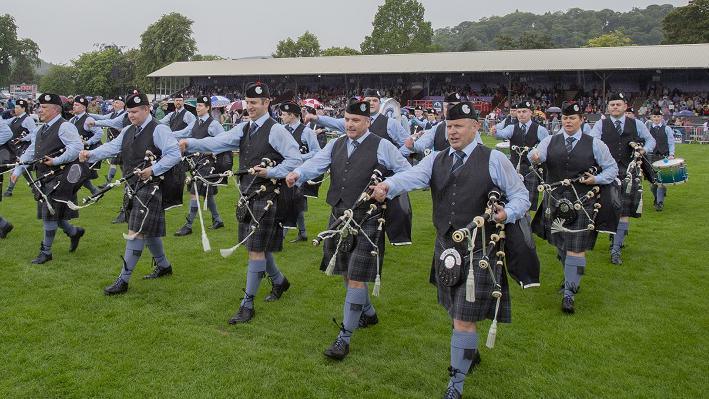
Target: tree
[25, 61]
[307, 45]
[339, 51]
[532, 40]
[205, 57]
[689, 24]
[59, 79]
[17, 56]
[165, 41]
[504, 42]
[613, 39]
[399, 28]
[95, 71]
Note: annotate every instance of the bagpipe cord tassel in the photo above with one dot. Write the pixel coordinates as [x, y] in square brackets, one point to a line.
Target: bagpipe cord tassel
[470, 281]
[492, 332]
[331, 264]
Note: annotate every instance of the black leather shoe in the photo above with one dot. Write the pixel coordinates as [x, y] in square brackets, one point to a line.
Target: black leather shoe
[42, 257]
[338, 350]
[366, 321]
[300, 237]
[7, 194]
[278, 290]
[660, 206]
[6, 230]
[243, 315]
[118, 287]
[75, 239]
[567, 305]
[216, 225]
[452, 393]
[121, 218]
[158, 272]
[183, 231]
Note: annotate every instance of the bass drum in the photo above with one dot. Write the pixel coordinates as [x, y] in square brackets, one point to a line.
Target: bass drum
[172, 184]
[391, 108]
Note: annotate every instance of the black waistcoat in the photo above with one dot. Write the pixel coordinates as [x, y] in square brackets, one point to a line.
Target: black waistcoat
[133, 147]
[113, 133]
[17, 128]
[253, 148]
[662, 146]
[79, 123]
[177, 120]
[47, 143]
[523, 140]
[200, 132]
[298, 136]
[350, 176]
[568, 165]
[458, 198]
[379, 127]
[618, 144]
[440, 142]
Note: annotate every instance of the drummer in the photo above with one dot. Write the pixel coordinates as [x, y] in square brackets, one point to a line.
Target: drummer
[510, 119]
[664, 148]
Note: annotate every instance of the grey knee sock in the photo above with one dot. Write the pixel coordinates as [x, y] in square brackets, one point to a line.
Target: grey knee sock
[111, 173]
[354, 302]
[68, 228]
[253, 280]
[194, 204]
[3, 223]
[620, 236]
[212, 206]
[573, 270]
[272, 269]
[368, 308]
[134, 248]
[155, 246]
[300, 222]
[661, 194]
[11, 186]
[50, 229]
[463, 346]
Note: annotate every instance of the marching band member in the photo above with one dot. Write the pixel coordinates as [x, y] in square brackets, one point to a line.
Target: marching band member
[55, 135]
[113, 131]
[260, 138]
[352, 159]
[461, 179]
[618, 131]
[90, 134]
[665, 148]
[568, 156]
[146, 216]
[203, 126]
[22, 126]
[180, 118]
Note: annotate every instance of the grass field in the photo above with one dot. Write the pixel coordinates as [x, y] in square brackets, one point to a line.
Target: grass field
[640, 329]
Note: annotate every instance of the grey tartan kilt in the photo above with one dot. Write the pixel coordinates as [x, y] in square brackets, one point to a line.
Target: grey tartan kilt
[531, 182]
[359, 264]
[62, 211]
[268, 236]
[632, 199]
[151, 221]
[453, 298]
[575, 242]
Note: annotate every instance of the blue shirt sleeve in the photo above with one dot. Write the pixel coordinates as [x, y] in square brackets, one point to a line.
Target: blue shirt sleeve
[506, 132]
[332, 123]
[416, 177]
[644, 134]
[317, 165]
[541, 150]
[29, 124]
[189, 118]
[215, 128]
[670, 139]
[99, 117]
[283, 142]
[166, 119]
[115, 123]
[166, 142]
[609, 168]
[389, 156]
[228, 141]
[97, 132]
[542, 132]
[5, 132]
[505, 176]
[186, 132]
[426, 140]
[109, 149]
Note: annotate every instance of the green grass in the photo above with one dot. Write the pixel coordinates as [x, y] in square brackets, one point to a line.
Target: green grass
[640, 329]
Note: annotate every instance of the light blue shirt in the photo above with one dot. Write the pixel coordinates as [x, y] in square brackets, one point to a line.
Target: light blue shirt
[28, 124]
[387, 155]
[394, 129]
[501, 125]
[69, 137]
[279, 139]
[162, 138]
[419, 122]
[643, 133]
[604, 159]
[507, 132]
[309, 138]
[215, 128]
[115, 123]
[670, 138]
[188, 117]
[502, 173]
[5, 132]
[428, 137]
[99, 117]
[97, 131]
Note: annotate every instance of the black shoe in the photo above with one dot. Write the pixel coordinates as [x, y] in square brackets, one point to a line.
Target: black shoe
[118, 287]
[278, 290]
[300, 237]
[567, 305]
[121, 218]
[476, 360]
[43, 257]
[615, 258]
[75, 239]
[158, 271]
[243, 315]
[216, 225]
[6, 230]
[7, 194]
[366, 321]
[452, 393]
[660, 206]
[183, 231]
[338, 350]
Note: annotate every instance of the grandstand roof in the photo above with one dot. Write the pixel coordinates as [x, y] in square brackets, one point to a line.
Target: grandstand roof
[682, 56]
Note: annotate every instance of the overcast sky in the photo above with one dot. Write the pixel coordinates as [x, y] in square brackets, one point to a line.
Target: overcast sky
[234, 29]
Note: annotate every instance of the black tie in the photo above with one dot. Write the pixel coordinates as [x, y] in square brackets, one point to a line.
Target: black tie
[252, 128]
[44, 128]
[290, 129]
[458, 163]
[618, 128]
[570, 143]
[355, 144]
[524, 129]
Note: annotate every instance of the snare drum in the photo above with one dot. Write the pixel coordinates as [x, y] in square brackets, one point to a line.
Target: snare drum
[670, 171]
[503, 147]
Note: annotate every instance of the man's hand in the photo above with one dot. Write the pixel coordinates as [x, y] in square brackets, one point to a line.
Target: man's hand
[183, 145]
[48, 161]
[90, 123]
[292, 178]
[145, 173]
[500, 214]
[84, 155]
[535, 156]
[260, 171]
[588, 179]
[409, 143]
[310, 118]
[379, 192]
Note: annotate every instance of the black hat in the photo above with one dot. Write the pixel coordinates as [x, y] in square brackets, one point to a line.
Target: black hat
[309, 109]
[257, 90]
[22, 103]
[81, 100]
[178, 95]
[523, 104]
[452, 98]
[204, 100]
[617, 96]
[358, 108]
[136, 100]
[462, 111]
[49, 98]
[630, 109]
[571, 108]
[431, 111]
[290, 107]
[418, 108]
[120, 98]
[371, 93]
[656, 111]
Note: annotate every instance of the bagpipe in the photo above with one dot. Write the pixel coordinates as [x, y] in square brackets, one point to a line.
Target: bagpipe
[639, 167]
[348, 227]
[267, 191]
